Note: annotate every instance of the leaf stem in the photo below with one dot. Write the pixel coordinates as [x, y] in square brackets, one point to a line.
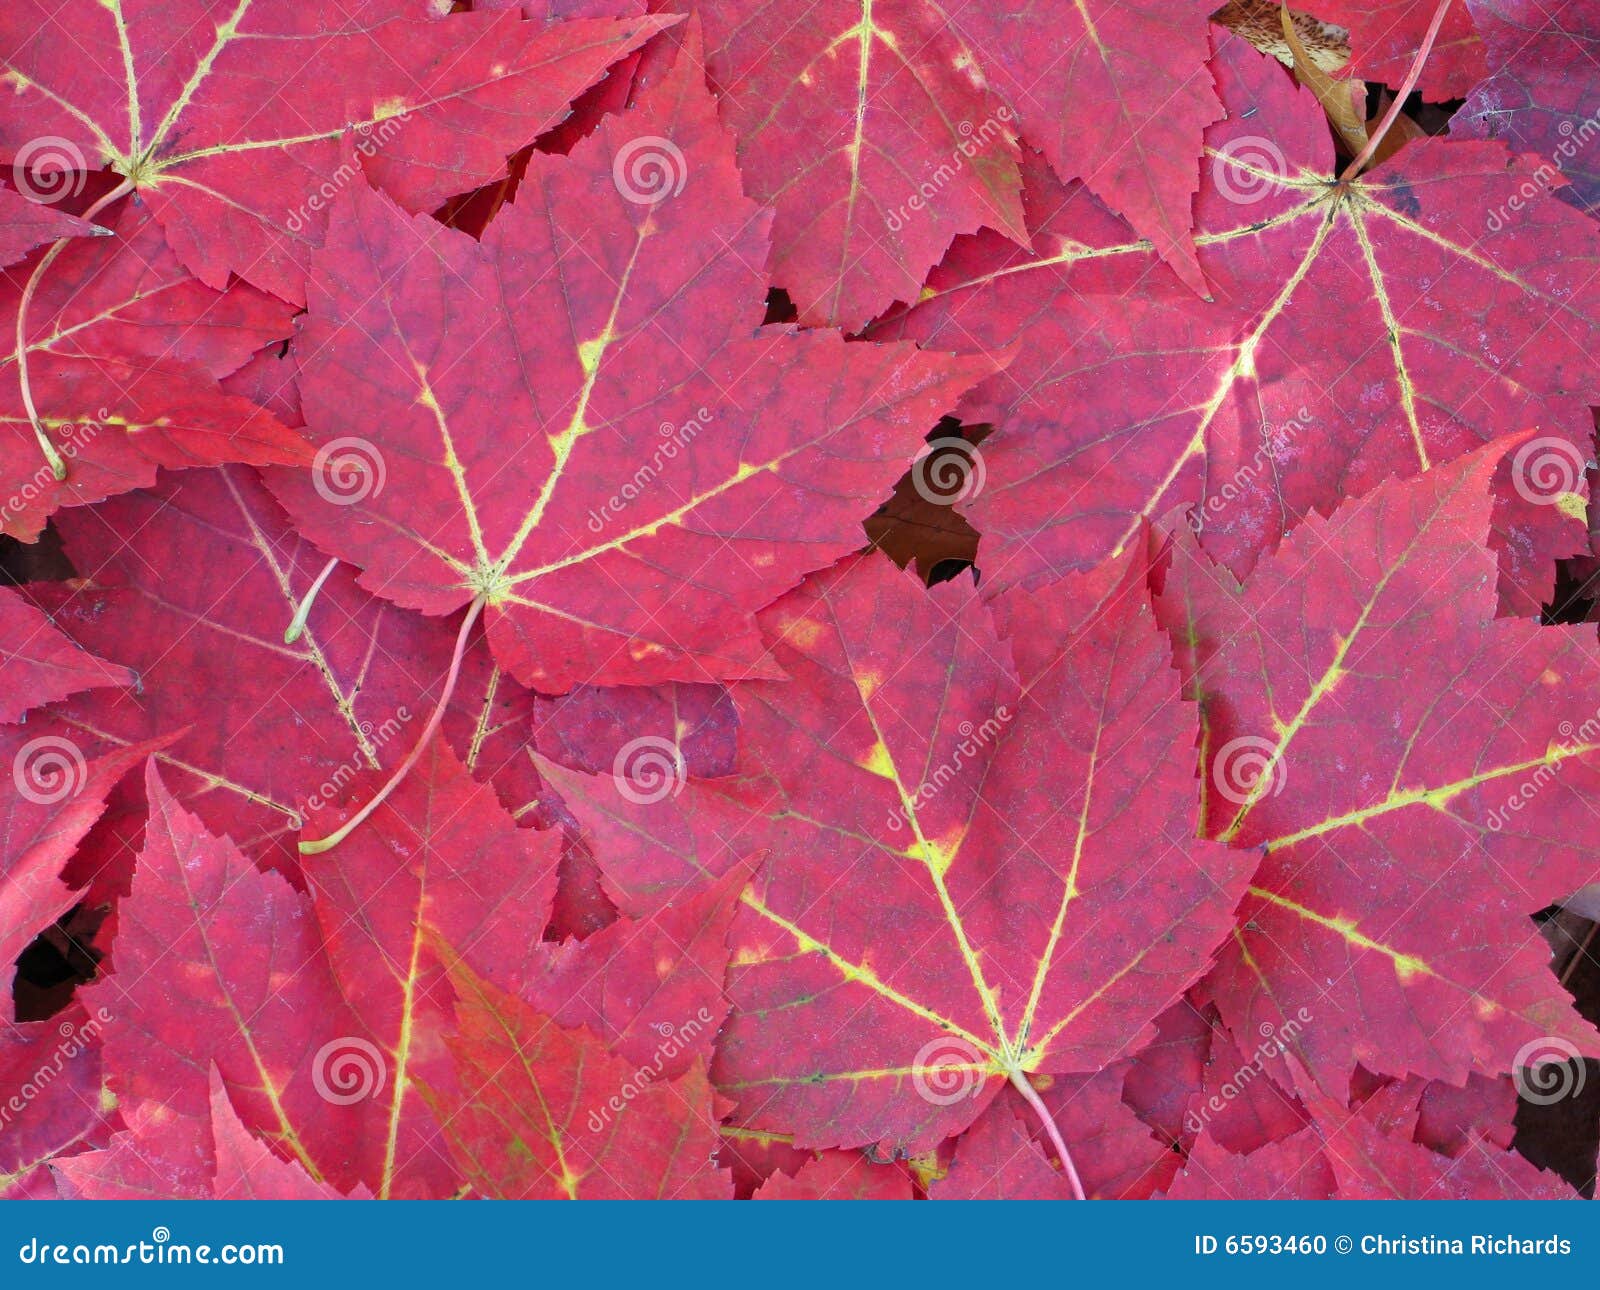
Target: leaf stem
[58, 465]
[302, 611]
[1336, 96]
[349, 826]
[1410, 83]
[1019, 1081]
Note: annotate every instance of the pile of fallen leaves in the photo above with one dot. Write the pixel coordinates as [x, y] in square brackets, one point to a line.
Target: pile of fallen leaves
[797, 600]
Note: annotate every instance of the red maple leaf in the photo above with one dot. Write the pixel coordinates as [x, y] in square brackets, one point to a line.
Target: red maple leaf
[440, 855]
[124, 351]
[556, 782]
[1162, 1085]
[40, 664]
[1240, 1104]
[1385, 810]
[264, 732]
[591, 728]
[839, 1175]
[25, 224]
[246, 1169]
[1449, 1116]
[544, 1112]
[1362, 328]
[1385, 36]
[1006, 1156]
[651, 987]
[903, 758]
[1292, 1169]
[1116, 1154]
[215, 1157]
[50, 800]
[1371, 1150]
[157, 1154]
[1372, 1154]
[874, 138]
[234, 120]
[879, 136]
[1117, 96]
[1541, 91]
[677, 465]
[218, 963]
[59, 1062]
